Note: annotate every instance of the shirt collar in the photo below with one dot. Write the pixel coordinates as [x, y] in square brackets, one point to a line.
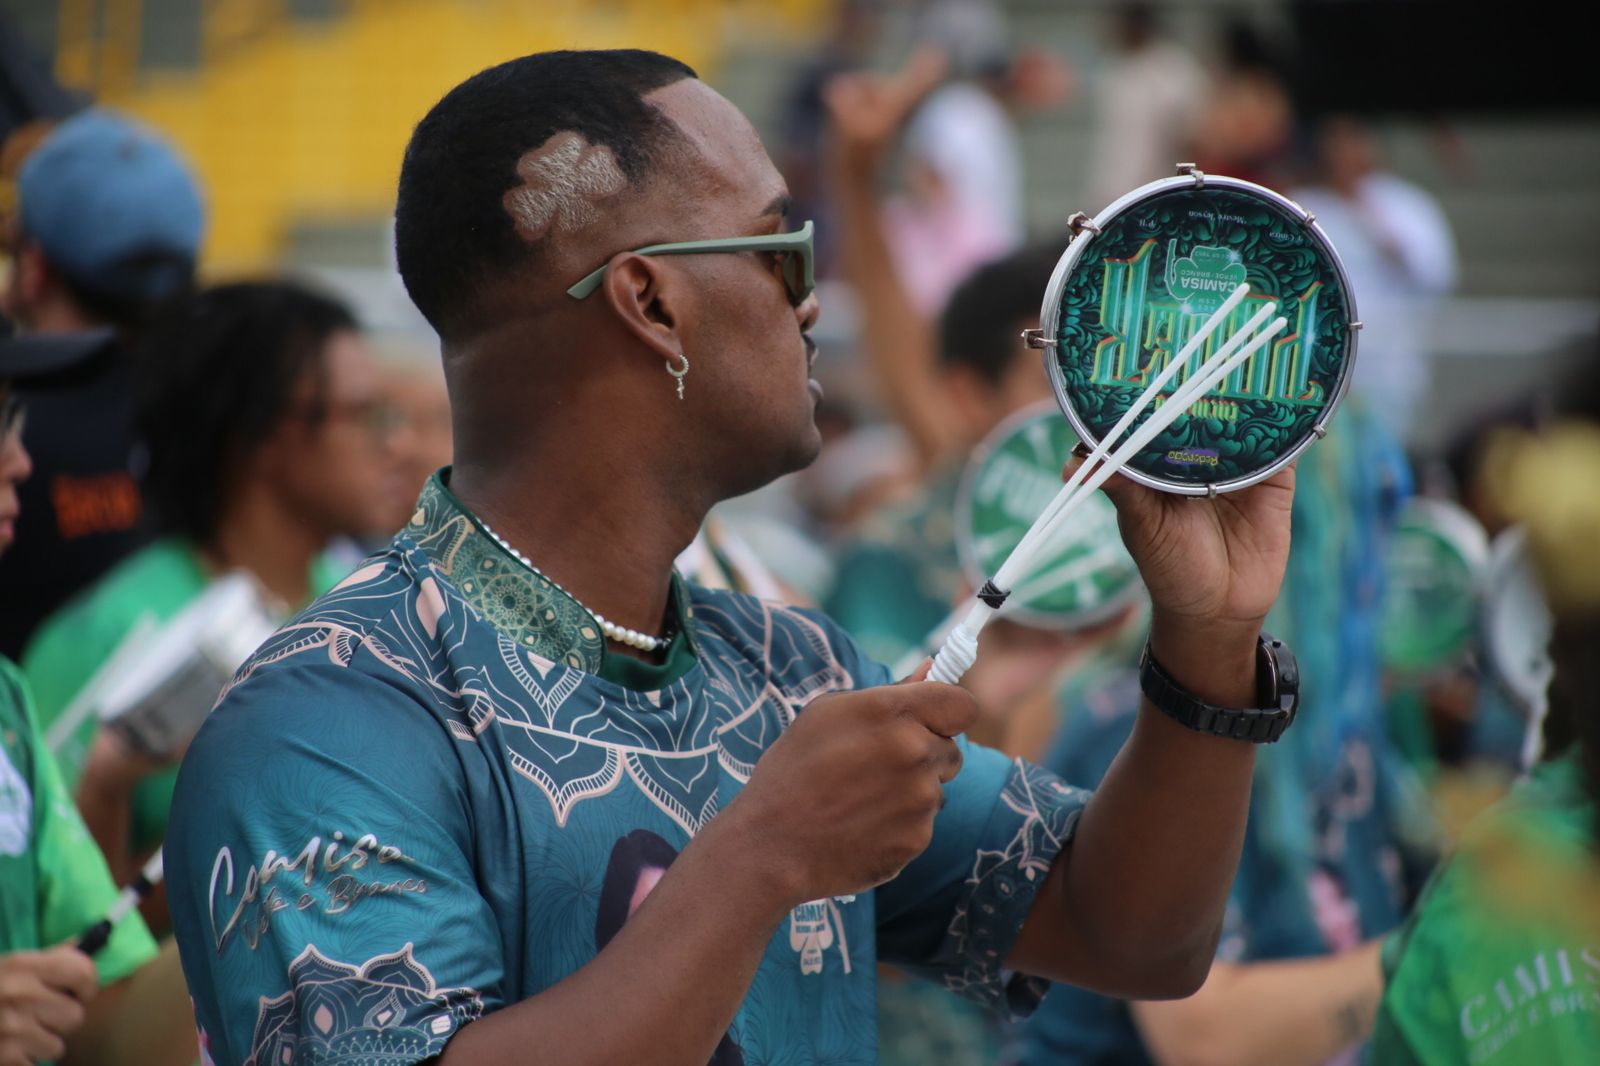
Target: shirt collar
[530, 609]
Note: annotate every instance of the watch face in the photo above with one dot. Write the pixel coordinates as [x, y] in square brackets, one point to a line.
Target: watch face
[1084, 575]
[1125, 300]
[1435, 569]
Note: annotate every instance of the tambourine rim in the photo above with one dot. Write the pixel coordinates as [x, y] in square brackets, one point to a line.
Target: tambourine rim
[1050, 312]
[1508, 549]
[1463, 534]
[966, 553]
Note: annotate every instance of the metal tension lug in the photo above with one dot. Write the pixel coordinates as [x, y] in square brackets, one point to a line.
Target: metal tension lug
[1194, 172]
[1034, 338]
[1355, 326]
[1320, 431]
[1080, 222]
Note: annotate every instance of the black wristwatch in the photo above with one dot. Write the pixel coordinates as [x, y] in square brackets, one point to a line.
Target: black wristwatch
[1277, 696]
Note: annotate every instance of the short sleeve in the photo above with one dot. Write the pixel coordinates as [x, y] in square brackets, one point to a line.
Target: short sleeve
[74, 886]
[954, 913]
[68, 648]
[322, 875]
[1419, 1017]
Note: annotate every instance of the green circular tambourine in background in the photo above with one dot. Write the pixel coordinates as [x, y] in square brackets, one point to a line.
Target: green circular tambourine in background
[1084, 575]
[1141, 278]
[1517, 624]
[1435, 569]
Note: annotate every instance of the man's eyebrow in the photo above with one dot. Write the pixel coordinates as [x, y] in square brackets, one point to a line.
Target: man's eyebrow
[779, 206]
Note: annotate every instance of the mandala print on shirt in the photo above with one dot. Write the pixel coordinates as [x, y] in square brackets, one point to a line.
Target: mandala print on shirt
[977, 935]
[385, 1012]
[567, 731]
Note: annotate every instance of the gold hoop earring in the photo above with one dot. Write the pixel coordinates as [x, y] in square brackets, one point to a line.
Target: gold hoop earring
[679, 372]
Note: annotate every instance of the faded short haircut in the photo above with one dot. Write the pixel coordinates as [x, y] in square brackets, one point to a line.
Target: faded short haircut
[456, 223]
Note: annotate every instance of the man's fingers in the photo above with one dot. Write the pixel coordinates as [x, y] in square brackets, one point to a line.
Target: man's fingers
[947, 710]
[1123, 491]
[921, 75]
[56, 1011]
[24, 1038]
[69, 970]
[949, 761]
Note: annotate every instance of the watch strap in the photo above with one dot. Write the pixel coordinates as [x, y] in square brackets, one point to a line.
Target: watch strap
[1278, 688]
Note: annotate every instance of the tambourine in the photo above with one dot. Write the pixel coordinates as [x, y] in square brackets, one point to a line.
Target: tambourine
[1084, 575]
[1436, 568]
[1517, 624]
[1199, 334]
[1140, 278]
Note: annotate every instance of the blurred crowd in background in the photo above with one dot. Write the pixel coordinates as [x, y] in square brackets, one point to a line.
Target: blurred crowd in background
[179, 408]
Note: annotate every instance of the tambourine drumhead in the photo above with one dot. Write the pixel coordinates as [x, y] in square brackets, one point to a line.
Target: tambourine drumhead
[1125, 299]
[1435, 569]
[1084, 575]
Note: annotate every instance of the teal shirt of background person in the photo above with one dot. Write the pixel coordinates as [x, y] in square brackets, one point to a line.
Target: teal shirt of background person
[1332, 849]
[900, 576]
[415, 801]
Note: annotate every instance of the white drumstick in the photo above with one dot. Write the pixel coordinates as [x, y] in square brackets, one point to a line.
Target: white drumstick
[960, 647]
[1025, 549]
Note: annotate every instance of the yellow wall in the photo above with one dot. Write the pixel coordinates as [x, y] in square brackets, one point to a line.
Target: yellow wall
[308, 120]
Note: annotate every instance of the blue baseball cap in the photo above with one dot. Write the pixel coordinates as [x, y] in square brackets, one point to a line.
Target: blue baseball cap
[113, 207]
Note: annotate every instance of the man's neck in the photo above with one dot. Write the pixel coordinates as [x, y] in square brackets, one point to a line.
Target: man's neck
[262, 536]
[609, 538]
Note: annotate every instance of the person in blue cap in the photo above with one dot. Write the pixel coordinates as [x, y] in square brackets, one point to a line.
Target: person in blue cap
[106, 233]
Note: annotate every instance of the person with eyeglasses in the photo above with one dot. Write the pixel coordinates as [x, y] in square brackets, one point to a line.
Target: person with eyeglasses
[390, 840]
[126, 1003]
[262, 411]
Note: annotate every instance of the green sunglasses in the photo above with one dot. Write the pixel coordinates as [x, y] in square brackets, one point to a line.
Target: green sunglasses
[798, 272]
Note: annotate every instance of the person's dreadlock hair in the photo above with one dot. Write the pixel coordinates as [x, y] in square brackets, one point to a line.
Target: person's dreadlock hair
[452, 231]
[217, 377]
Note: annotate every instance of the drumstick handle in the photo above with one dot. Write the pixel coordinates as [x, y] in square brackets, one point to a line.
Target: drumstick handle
[95, 937]
[960, 648]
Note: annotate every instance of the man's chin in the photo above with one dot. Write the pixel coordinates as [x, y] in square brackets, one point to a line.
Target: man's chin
[801, 452]
[807, 450]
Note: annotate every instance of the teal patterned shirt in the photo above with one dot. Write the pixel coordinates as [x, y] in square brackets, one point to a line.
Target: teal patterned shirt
[423, 800]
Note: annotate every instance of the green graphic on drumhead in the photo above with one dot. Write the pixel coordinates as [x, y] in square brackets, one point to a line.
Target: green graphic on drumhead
[1434, 575]
[1085, 574]
[1146, 284]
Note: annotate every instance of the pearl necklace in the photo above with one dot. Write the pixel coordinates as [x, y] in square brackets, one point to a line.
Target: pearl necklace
[621, 634]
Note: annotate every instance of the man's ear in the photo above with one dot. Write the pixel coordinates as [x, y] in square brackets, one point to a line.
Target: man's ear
[648, 300]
